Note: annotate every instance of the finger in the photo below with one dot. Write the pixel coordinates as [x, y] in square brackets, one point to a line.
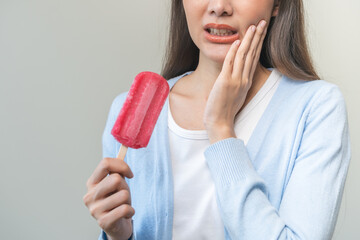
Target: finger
[113, 201]
[105, 205]
[123, 211]
[229, 58]
[242, 52]
[258, 51]
[250, 59]
[111, 183]
[106, 166]
[117, 199]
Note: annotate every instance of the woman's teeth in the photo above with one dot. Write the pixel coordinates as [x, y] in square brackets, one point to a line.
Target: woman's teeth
[220, 32]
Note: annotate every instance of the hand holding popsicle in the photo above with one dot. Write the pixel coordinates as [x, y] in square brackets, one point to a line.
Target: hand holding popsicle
[108, 197]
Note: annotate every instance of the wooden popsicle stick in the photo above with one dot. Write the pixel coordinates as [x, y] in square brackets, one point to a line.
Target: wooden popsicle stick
[122, 152]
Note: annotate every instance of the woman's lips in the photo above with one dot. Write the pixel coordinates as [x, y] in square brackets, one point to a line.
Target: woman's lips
[221, 39]
[217, 38]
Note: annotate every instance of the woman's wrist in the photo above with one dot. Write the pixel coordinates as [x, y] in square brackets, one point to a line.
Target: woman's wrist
[219, 132]
[125, 231]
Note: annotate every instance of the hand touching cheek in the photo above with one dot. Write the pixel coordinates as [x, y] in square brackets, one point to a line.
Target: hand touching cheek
[234, 81]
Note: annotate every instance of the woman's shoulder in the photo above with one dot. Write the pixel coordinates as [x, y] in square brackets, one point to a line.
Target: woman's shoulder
[173, 80]
[316, 98]
[311, 89]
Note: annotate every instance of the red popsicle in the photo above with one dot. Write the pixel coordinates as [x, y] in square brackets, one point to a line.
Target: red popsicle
[141, 109]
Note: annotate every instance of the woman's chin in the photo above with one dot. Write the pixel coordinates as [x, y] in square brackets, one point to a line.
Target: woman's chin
[218, 58]
[218, 54]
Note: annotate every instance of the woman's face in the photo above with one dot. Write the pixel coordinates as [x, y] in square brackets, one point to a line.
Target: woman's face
[205, 16]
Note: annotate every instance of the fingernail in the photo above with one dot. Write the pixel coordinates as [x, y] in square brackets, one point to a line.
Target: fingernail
[263, 23]
[237, 42]
[253, 28]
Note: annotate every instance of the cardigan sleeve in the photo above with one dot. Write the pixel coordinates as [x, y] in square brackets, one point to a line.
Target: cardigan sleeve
[312, 196]
[109, 144]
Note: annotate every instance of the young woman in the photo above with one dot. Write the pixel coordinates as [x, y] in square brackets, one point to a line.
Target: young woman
[249, 145]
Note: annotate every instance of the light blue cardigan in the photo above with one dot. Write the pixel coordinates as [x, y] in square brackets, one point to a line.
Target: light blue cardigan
[287, 183]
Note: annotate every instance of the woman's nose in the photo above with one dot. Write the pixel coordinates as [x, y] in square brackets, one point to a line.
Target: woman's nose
[220, 7]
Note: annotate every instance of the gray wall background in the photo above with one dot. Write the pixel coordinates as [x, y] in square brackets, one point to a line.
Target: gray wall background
[61, 64]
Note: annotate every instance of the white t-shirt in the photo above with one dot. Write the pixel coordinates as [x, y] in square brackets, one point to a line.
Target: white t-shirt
[196, 214]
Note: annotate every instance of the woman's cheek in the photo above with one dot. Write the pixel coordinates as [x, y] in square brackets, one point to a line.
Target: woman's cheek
[256, 10]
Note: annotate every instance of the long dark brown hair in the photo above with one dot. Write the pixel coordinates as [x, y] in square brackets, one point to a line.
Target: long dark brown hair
[285, 45]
